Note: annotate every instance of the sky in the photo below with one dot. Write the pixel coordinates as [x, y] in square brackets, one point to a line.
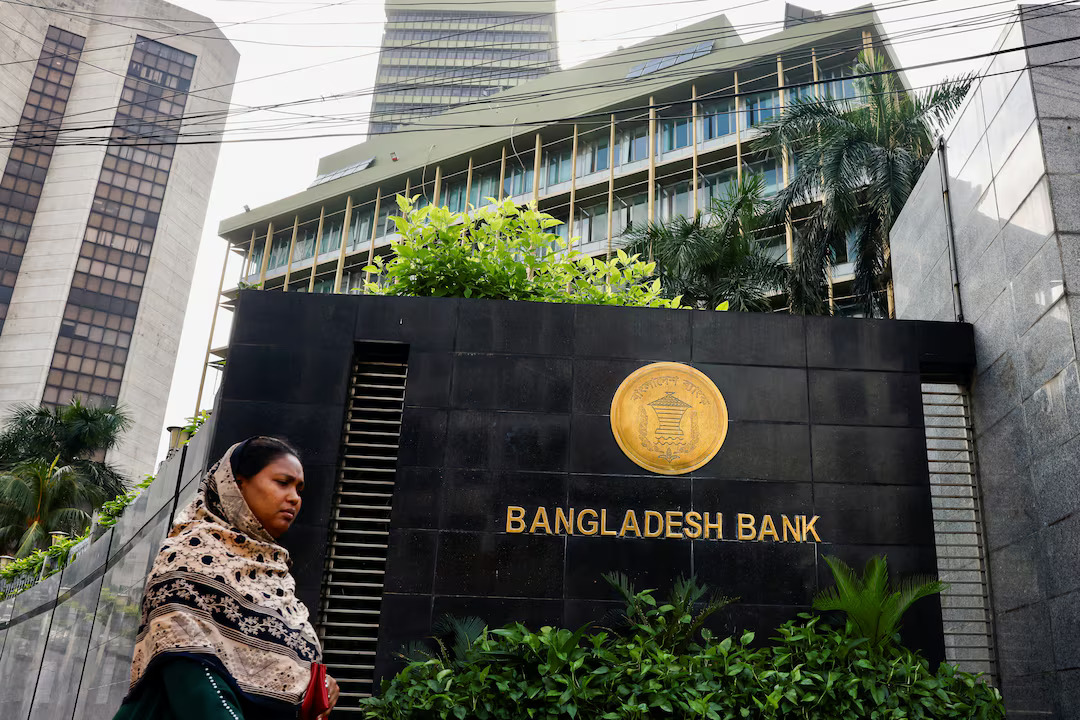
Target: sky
[316, 49]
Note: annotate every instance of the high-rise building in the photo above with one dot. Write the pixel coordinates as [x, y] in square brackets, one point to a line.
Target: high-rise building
[101, 208]
[437, 56]
[646, 133]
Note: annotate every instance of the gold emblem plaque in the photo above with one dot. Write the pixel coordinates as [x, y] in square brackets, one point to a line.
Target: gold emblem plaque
[669, 418]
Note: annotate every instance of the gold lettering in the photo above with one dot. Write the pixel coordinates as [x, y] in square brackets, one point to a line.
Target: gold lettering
[718, 526]
[746, 527]
[767, 528]
[795, 533]
[603, 524]
[630, 523]
[540, 519]
[671, 525]
[693, 525]
[566, 523]
[592, 523]
[808, 528]
[515, 519]
[653, 515]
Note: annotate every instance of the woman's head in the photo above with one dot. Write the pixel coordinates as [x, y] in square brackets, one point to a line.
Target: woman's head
[271, 479]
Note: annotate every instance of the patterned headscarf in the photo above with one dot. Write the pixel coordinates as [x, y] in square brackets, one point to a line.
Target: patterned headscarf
[220, 592]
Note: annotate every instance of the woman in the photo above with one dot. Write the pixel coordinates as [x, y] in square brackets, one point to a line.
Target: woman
[223, 636]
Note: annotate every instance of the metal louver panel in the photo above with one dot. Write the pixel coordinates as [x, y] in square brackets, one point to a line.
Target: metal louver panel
[348, 622]
[965, 605]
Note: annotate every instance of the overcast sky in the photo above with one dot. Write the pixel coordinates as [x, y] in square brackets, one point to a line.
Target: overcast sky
[319, 49]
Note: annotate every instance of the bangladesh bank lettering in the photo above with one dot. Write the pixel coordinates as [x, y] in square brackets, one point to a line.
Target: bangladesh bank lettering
[670, 524]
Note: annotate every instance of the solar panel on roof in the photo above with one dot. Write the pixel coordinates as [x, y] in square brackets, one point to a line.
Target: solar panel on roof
[347, 170]
[693, 52]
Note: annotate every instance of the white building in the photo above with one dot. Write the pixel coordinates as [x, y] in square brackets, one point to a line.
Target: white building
[101, 210]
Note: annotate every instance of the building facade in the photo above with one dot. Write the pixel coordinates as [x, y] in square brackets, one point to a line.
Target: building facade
[437, 56]
[647, 133]
[991, 235]
[101, 203]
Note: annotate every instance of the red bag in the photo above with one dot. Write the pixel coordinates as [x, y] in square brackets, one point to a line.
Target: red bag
[316, 699]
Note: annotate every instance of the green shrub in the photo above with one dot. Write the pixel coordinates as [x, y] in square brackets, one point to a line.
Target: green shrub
[662, 664]
[505, 252]
[59, 555]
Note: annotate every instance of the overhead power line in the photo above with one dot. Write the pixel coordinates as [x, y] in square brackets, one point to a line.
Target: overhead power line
[672, 74]
[650, 50]
[606, 114]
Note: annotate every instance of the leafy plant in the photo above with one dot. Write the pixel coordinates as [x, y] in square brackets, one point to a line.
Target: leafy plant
[37, 499]
[56, 557]
[869, 603]
[194, 423]
[505, 252]
[79, 435]
[857, 166]
[717, 258]
[661, 662]
[111, 510]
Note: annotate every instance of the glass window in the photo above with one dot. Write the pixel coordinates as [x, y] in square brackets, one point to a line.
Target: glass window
[673, 201]
[762, 107]
[305, 241]
[279, 249]
[519, 180]
[717, 186]
[637, 144]
[630, 212]
[360, 227]
[331, 237]
[770, 170]
[718, 119]
[674, 134]
[591, 224]
[256, 259]
[557, 164]
[484, 186]
[453, 196]
[836, 85]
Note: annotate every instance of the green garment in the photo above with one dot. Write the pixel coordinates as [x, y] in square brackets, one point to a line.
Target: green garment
[180, 688]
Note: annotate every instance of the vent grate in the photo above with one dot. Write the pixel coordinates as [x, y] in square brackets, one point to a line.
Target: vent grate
[965, 605]
[348, 621]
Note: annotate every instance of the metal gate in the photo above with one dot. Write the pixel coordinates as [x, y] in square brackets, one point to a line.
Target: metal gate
[965, 605]
[348, 621]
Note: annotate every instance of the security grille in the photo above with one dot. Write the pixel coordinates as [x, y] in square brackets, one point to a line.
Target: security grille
[359, 527]
[965, 605]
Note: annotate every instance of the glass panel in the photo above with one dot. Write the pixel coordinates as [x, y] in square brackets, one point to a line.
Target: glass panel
[331, 238]
[762, 107]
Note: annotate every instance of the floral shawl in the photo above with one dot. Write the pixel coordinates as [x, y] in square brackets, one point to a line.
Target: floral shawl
[220, 592]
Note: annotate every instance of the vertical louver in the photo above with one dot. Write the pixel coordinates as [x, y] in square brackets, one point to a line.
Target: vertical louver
[965, 605]
[359, 526]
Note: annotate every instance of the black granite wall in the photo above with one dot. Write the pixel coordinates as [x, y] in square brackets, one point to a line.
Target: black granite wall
[507, 404]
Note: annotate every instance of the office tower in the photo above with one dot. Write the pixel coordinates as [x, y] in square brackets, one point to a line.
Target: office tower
[438, 56]
[102, 203]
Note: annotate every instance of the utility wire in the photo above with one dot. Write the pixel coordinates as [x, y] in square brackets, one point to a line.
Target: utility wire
[137, 142]
[432, 126]
[276, 106]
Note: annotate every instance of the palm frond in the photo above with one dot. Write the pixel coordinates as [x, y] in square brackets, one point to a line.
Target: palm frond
[871, 607]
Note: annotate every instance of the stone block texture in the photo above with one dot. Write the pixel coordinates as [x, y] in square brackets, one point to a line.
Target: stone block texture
[1011, 157]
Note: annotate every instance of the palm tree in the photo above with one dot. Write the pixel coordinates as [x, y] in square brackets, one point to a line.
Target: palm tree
[38, 498]
[857, 167]
[77, 435]
[709, 260]
[870, 604]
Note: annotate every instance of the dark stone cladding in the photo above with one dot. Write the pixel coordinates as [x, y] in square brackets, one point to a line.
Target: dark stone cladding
[507, 404]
